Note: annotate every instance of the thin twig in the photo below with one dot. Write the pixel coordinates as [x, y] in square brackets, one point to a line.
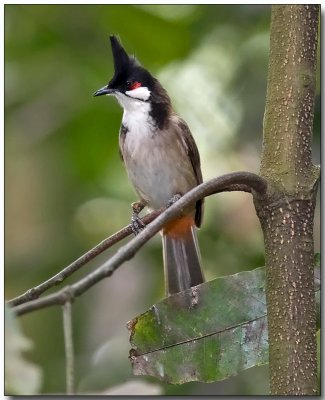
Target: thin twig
[58, 278]
[68, 345]
[234, 181]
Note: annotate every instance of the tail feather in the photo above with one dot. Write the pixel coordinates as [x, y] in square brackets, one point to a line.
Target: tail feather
[182, 260]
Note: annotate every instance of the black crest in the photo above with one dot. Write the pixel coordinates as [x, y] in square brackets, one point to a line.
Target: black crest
[122, 62]
[127, 69]
[124, 65]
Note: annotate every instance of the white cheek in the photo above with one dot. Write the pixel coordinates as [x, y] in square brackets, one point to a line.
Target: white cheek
[141, 93]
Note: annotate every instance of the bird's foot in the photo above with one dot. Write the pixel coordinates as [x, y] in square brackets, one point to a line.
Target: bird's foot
[173, 200]
[136, 224]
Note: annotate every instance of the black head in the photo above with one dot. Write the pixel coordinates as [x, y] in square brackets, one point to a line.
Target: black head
[128, 73]
[132, 83]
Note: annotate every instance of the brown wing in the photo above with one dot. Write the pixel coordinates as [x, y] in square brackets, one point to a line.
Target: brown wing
[194, 156]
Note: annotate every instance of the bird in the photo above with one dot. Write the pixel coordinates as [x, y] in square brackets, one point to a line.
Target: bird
[162, 162]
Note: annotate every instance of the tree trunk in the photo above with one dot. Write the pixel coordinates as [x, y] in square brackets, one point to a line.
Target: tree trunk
[286, 213]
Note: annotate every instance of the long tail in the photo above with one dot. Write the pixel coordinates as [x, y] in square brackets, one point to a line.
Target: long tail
[182, 260]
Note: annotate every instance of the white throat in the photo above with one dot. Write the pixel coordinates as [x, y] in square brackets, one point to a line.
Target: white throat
[136, 110]
[138, 117]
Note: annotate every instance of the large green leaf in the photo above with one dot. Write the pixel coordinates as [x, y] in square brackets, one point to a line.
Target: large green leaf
[207, 333]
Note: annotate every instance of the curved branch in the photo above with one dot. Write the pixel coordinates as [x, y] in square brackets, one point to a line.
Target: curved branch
[235, 181]
[58, 278]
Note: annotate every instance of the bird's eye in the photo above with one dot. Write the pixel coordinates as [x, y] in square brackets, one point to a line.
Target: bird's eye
[133, 85]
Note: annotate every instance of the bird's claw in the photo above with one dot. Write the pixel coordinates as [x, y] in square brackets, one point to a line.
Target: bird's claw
[173, 200]
[136, 224]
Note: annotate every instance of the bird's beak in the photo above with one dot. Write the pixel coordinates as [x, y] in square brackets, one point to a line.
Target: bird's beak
[104, 90]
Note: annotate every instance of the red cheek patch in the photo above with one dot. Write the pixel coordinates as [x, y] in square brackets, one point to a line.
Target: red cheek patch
[135, 85]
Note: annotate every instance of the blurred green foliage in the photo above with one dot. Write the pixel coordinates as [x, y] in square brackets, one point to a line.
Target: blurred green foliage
[66, 188]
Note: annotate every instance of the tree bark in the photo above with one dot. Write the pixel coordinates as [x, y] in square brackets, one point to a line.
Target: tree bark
[286, 212]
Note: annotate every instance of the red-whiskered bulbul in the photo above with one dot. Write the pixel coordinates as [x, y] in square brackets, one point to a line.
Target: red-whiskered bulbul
[162, 162]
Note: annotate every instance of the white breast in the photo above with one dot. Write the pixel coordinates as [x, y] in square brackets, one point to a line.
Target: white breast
[156, 161]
